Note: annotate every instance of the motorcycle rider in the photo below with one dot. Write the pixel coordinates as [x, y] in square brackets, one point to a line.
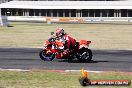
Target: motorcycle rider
[68, 41]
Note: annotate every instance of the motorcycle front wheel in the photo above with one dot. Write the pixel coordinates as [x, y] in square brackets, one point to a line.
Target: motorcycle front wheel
[46, 57]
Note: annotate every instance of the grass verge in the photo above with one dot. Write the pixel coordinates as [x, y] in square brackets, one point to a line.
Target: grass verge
[103, 36]
[44, 79]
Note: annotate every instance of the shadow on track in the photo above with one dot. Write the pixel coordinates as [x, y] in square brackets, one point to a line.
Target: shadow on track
[76, 61]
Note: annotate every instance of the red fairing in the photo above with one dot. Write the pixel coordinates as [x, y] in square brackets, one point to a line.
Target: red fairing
[54, 50]
[84, 42]
[47, 42]
[58, 56]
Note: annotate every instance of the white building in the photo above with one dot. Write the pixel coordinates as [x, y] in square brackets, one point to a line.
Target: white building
[68, 8]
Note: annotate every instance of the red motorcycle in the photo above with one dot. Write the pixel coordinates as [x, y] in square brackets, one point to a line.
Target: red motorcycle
[80, 51]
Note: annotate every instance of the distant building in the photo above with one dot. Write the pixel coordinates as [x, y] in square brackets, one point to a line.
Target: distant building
[67, 8]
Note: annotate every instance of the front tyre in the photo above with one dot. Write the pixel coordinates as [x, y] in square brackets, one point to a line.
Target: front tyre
[85, 55]
[46, 57]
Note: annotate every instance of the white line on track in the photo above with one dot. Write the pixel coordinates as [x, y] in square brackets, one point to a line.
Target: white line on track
[1, 69]
[22, 70]
[85, 70]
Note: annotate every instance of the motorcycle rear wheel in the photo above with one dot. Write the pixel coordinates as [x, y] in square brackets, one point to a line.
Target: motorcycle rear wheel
[45, 57]
[85, 55]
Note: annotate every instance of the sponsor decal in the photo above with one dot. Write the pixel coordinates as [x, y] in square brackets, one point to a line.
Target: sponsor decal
[64, 19]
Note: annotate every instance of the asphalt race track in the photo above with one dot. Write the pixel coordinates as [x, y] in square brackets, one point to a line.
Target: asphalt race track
[28, 58]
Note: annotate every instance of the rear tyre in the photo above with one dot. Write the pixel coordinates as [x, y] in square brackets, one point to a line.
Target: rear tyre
[46, 57]
[85, 55]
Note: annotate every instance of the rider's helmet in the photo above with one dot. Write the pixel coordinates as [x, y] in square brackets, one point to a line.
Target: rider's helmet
[59, 32]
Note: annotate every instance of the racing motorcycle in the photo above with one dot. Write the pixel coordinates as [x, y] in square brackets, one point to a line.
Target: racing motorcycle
[51, 50]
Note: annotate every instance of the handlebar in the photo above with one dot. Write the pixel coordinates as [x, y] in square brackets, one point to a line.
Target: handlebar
[52, 39]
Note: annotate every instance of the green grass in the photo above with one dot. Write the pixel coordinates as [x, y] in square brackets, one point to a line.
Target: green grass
[103, 36]
[44, 79]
